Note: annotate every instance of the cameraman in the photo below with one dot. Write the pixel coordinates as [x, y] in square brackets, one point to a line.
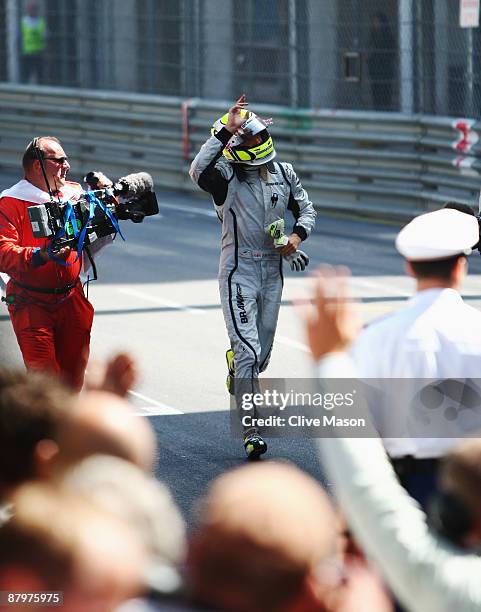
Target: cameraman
[50, 314]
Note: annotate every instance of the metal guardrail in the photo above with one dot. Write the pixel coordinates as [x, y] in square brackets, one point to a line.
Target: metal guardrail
[99, 130]
[384, 164]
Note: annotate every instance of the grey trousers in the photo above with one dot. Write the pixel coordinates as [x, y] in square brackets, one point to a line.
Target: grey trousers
[251, 292]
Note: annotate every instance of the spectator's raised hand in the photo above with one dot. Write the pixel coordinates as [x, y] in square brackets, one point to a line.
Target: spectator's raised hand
[120, 374]
[331, 320]
[117, 376]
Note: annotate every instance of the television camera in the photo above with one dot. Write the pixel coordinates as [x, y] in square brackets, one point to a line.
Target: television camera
[95, 214]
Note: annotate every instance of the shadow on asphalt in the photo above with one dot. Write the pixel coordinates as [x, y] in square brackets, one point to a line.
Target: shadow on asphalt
[195, 448]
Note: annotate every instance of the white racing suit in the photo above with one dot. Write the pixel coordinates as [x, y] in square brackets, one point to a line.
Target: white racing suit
[250, 270]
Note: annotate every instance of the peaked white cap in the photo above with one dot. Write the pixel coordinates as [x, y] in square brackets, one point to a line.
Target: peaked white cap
[438, 235]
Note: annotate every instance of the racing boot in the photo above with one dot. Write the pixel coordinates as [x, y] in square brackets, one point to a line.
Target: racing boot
[254, 446]
[229, 356]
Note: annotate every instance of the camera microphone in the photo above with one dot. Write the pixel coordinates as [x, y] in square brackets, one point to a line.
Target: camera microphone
[136, 190]
[133, 185]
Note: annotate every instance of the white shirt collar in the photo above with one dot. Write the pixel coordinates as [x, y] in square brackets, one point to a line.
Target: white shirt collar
[428, 296]
[24, 190]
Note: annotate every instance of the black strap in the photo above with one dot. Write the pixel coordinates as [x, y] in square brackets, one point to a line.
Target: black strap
[50, 290]
[283, 172]
[39, 155]
[293, 206]
[94, 270]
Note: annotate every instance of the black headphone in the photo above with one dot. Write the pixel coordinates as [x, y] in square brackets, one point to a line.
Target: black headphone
[38, 153]
[450, 517]
[35, 149]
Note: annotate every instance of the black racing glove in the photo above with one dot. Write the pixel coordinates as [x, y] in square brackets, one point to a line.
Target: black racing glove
[298, 261]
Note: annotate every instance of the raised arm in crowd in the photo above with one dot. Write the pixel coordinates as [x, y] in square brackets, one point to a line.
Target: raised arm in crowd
[425, 571]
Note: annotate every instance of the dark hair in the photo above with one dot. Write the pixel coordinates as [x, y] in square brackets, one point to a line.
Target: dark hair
[38, 536]
[31, 407]
[449, 515]
[464, 208]
[459, 508]
[439, 268]
[32, 150]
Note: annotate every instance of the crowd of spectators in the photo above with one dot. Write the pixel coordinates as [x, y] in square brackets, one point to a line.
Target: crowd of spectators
[82, 514]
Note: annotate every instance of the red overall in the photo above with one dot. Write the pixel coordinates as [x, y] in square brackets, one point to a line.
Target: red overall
[53, 331]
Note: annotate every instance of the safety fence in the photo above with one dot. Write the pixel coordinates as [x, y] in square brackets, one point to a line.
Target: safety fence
[384, 164]
[407, 56]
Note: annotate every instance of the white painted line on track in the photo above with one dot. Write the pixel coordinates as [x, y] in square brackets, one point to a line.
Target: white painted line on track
[205, 212]
[136, 411]
[292, 343]
[149, 412]
[379, 286]
[162, 301]
[158, 407]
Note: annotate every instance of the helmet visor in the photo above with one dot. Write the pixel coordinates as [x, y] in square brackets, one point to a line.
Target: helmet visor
[251, 140]
[253, 125]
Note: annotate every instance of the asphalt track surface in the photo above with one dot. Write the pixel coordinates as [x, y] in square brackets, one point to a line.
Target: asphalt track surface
[157, 298]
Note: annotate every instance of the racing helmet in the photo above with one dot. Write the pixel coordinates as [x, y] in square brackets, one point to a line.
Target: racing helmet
[252, 144]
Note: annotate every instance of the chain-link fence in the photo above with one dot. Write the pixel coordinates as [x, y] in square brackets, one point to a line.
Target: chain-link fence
[384, 55]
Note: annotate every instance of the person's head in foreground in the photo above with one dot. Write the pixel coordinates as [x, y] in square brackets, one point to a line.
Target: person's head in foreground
[58, 541]
[435, 246]
[456, 510]
[265, 540]
[44, 429]
[104, 423]
[146, 504]
[32, 409]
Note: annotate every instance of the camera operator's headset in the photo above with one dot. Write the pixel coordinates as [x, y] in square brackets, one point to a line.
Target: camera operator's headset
[38, 154]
